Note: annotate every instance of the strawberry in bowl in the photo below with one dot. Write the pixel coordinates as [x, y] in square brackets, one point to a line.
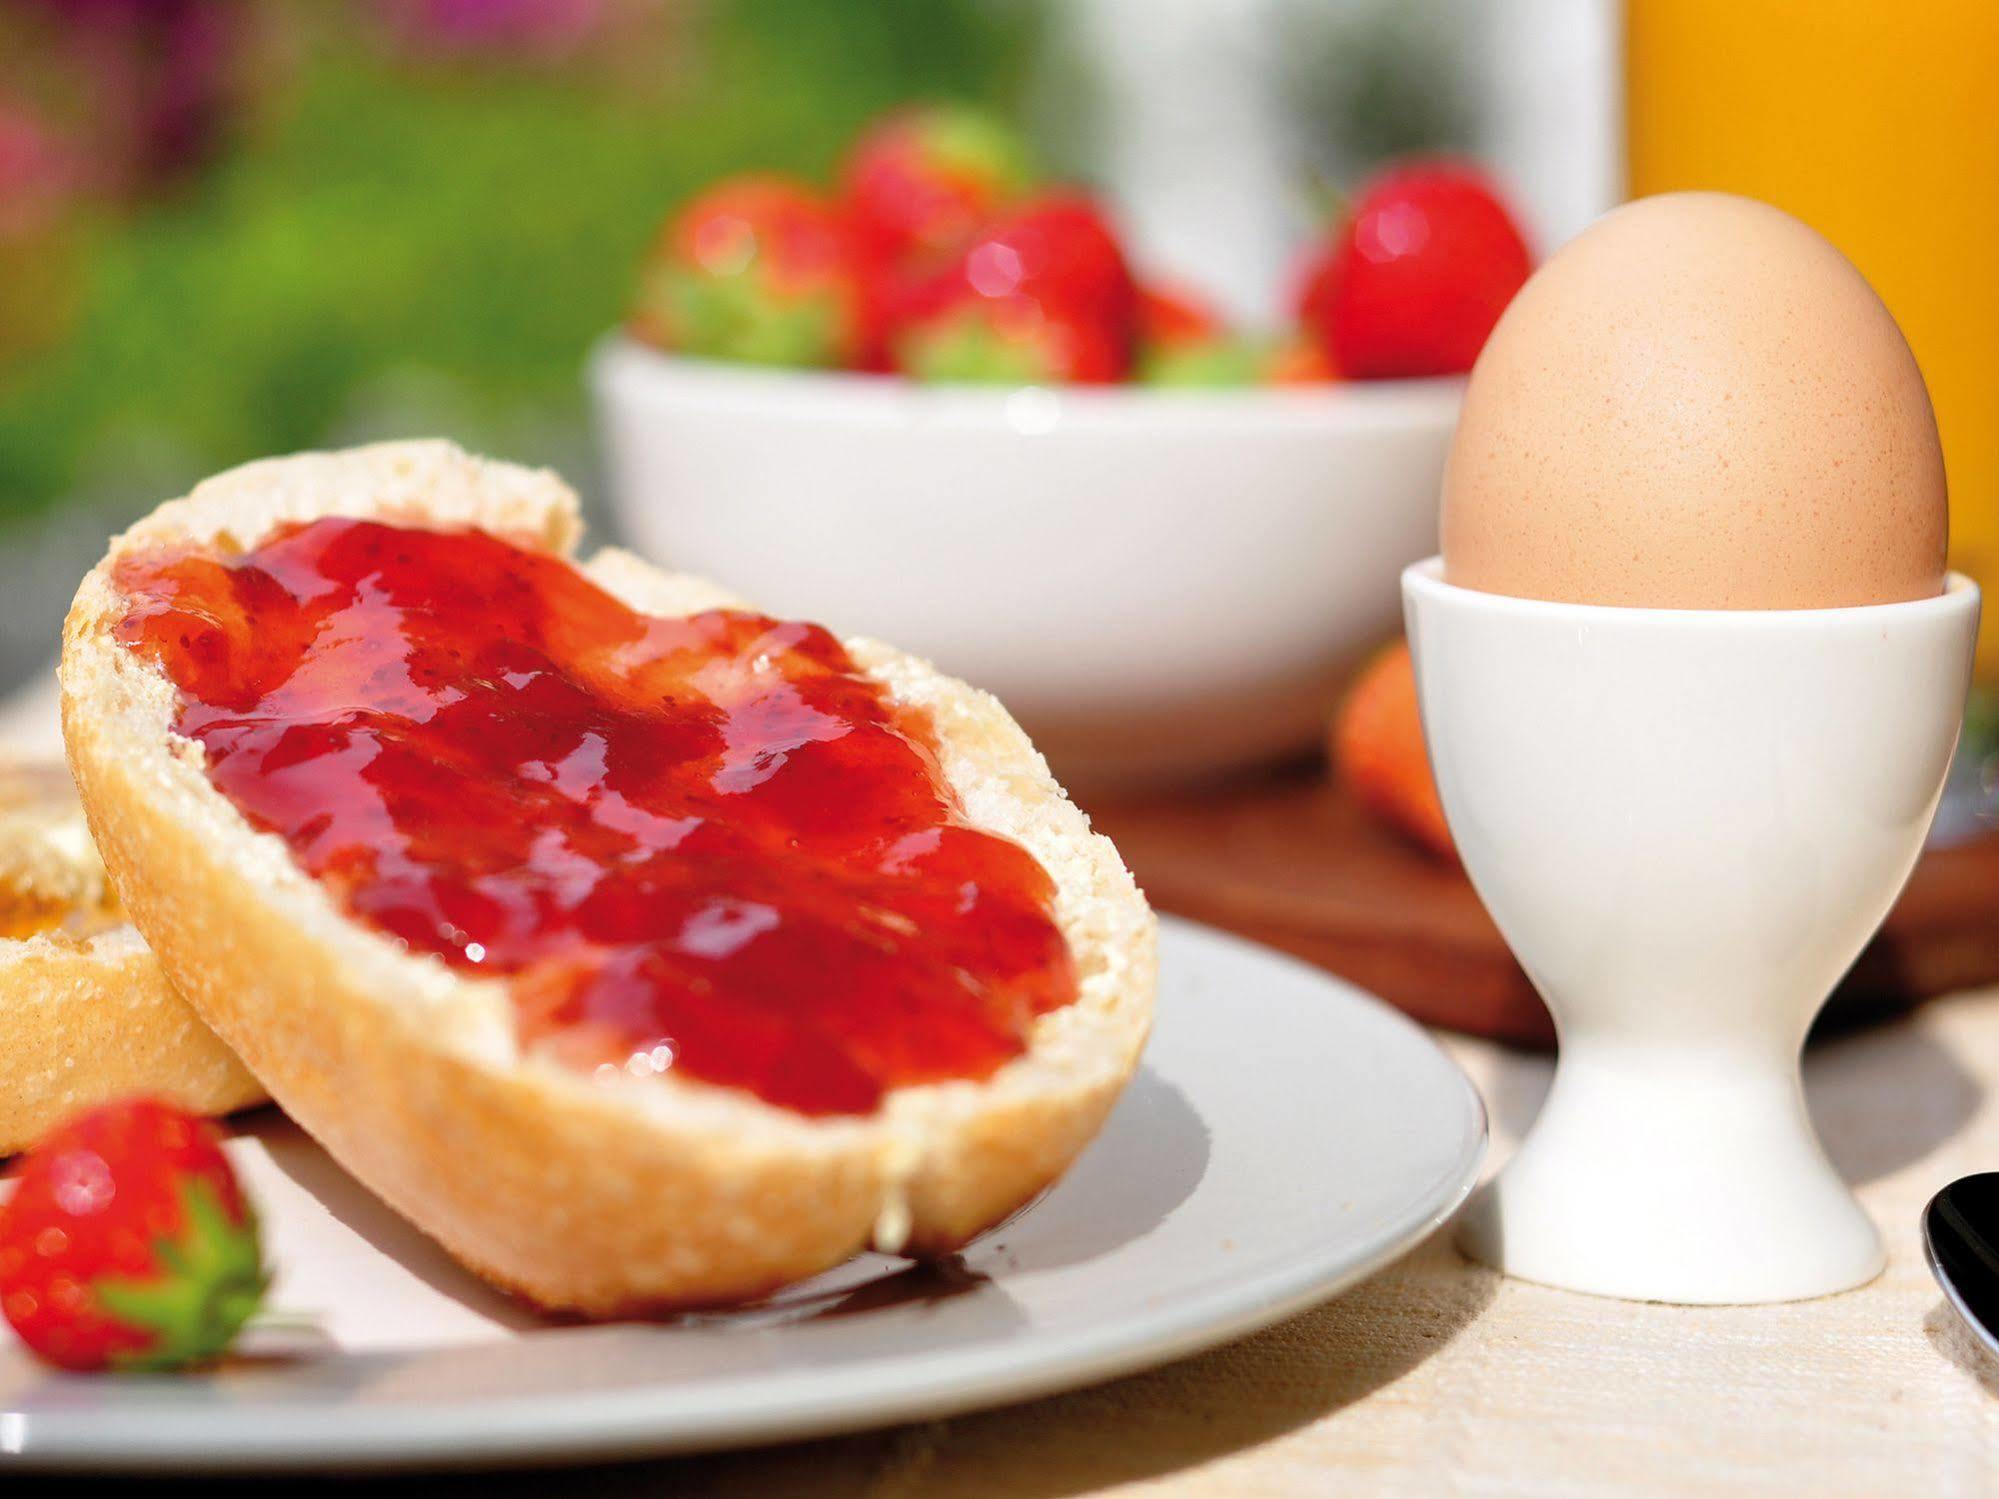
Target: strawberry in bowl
[1163, 540]
[922, 181]
[915, 187]
[1043, 295]
[759, 268]
[1416, 275]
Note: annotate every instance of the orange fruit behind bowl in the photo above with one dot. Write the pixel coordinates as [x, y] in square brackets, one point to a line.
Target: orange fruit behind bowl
[1377, 750]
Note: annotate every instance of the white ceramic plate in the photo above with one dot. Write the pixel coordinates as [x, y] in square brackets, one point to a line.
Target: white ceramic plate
[1287, 1135]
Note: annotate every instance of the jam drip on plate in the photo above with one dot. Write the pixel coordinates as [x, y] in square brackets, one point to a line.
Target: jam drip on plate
[709, 843]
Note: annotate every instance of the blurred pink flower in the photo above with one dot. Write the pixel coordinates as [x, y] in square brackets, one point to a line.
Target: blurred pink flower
[159, 77]
[37, 173]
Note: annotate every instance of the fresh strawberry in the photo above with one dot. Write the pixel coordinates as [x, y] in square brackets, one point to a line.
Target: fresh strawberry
[921, 181]
[757, 268]
[1377, 748]
[1423, 265]
[128, 1243]
[1042, 295]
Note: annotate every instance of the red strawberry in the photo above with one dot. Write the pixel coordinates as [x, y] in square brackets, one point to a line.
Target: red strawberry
[128, 1243]
[1425, 262]
[757, 268]
[919, 182]
[1042, 295]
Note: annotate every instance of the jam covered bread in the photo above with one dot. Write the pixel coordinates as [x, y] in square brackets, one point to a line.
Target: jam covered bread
[644, 949]
[85, 1013]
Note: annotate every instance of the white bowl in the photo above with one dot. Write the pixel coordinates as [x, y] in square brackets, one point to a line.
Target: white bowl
[1159, 584]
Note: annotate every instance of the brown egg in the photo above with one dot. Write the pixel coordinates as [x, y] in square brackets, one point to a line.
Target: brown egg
[1697, 404]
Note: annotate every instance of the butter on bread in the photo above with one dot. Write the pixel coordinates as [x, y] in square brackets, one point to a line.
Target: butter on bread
[85, 1013]
[593, 1195]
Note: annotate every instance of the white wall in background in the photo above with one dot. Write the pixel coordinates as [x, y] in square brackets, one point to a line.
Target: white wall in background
[1194, 135]
[1194, 140]
[1553, 110]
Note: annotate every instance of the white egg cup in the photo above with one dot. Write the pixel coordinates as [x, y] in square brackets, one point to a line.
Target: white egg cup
[1687, 824]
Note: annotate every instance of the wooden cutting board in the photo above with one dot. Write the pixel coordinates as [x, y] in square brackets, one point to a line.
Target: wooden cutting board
[1292, 861]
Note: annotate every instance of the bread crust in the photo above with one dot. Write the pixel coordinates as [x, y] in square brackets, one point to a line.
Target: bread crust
[85, 1013]
[86, 1020]
[596, 1197]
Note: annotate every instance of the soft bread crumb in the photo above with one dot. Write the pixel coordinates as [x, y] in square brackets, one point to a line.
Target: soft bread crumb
[892, 1224]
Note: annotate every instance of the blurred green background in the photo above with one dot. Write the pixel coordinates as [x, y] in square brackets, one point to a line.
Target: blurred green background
[311, 220]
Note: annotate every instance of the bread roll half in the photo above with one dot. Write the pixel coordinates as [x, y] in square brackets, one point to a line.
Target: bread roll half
[85, 1013]
[599, 1196]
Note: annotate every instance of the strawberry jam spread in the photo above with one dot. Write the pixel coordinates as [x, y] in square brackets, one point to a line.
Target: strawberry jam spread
[707, 843]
